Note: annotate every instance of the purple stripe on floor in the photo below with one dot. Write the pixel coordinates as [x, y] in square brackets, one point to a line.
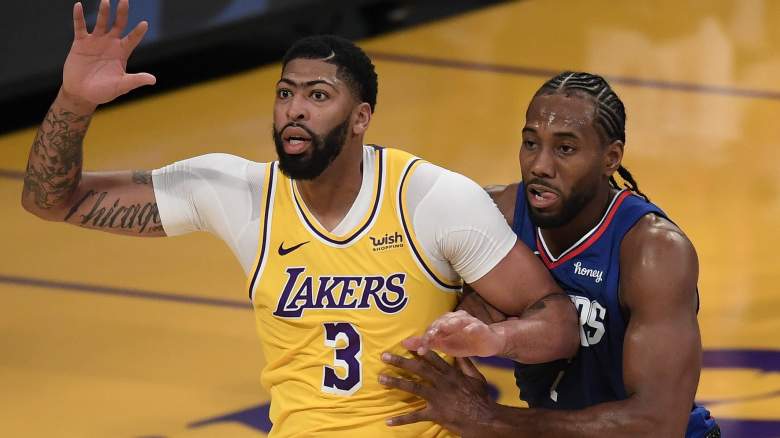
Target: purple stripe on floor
[122, 292]
[548, 73]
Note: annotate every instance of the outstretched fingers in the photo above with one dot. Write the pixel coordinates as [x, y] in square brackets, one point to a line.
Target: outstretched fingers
[417, 388]
[79, 24]
[104, 11]
[437, 362]
[121, 18]
[412, 417]
[131, 41]
[413, 365]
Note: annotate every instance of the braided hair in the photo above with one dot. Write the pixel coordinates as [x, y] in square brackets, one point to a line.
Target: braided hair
[610, 113]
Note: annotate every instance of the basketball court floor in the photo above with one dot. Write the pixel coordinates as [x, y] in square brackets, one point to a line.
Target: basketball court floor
[108, 336]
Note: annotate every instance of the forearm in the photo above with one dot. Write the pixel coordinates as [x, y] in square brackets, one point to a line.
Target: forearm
[625, 418]
[547, 331]
[55, 160]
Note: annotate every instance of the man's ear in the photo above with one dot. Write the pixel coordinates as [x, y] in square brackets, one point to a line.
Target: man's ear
[361, 118]
[613, 157]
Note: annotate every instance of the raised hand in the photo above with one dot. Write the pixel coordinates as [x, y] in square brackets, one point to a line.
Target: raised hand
[95, 69]
[458, 334]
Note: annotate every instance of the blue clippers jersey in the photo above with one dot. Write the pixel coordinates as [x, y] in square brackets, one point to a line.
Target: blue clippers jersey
[590, 272]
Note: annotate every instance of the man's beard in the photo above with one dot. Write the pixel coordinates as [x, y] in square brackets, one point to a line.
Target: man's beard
[572, 205]
[323, 151]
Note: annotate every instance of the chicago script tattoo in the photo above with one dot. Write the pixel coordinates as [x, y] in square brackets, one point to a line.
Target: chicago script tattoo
[116, 215]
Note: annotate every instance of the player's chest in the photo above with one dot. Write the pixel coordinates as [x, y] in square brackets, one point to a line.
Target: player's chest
[374, 274]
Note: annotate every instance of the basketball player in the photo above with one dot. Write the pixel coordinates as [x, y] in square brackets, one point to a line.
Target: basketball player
[348, 249]
[630, 271]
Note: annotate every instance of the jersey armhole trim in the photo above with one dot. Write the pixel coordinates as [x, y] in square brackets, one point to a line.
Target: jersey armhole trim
[265, 229]
[419, 257]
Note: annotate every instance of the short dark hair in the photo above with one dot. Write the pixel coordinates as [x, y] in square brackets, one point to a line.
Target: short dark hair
[354, 66]
[610, 112]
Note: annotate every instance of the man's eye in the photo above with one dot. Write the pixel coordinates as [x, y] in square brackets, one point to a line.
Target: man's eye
[319, 95]
[529, 144]
[284, 93]
[566, 149]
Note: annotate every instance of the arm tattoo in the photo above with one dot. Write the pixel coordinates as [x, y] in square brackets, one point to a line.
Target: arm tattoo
[54, 168]
[117, 216]
[142, 177]
[540, 305]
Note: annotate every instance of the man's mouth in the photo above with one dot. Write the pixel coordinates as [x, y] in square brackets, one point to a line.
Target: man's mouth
[295, 140]
[541, 197]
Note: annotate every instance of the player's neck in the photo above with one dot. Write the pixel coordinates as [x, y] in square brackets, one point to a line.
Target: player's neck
[330, 196]
[562, 238]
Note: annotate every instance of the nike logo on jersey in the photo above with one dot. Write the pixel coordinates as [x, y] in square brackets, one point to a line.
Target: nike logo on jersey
[284, 251]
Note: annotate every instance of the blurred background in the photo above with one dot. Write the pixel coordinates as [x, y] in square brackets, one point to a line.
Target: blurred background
[187, 41]
[102, 335]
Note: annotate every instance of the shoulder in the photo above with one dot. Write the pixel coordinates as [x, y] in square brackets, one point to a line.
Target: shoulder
[212, 167]
[655, 248]
[431, 179]
[222, 162]
[652, 234]
[453, 200]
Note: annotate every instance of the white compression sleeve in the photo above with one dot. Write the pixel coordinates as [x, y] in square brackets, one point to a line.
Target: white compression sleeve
[460, 228]
[218, 193]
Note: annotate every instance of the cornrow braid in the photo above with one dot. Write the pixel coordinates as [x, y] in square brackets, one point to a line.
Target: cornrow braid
[610, 112]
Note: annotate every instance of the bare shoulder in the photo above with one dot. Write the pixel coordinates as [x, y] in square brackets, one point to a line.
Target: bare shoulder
[658, 262]
[504, 196]
[656, 233]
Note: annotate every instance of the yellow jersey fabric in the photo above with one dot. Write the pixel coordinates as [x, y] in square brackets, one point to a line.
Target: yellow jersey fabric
[327, 306]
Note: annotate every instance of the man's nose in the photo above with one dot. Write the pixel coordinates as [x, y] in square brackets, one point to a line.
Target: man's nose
[543, 164]
[297, 110]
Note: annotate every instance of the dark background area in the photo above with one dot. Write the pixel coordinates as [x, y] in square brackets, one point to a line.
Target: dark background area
[188, 41]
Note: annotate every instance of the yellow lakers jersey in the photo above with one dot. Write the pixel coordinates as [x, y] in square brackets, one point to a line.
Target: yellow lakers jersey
[327, 306]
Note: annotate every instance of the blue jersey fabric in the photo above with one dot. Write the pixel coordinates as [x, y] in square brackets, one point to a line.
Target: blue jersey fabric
[590, 272]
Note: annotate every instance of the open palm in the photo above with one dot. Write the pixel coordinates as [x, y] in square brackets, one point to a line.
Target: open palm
[95, 69]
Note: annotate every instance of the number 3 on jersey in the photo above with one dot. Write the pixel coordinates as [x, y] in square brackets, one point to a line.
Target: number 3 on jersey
[346, 357]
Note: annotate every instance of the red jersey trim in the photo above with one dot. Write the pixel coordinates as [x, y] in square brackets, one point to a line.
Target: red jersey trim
[578, 249]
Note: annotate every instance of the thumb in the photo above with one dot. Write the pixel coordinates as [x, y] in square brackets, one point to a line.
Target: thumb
[468, 368]
[130, 82]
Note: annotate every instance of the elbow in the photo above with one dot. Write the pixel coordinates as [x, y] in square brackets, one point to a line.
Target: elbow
[640, 416]
[47, 214]
[28, 205]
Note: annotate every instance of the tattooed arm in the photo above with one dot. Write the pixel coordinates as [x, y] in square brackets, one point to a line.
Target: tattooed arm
[55, 188]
